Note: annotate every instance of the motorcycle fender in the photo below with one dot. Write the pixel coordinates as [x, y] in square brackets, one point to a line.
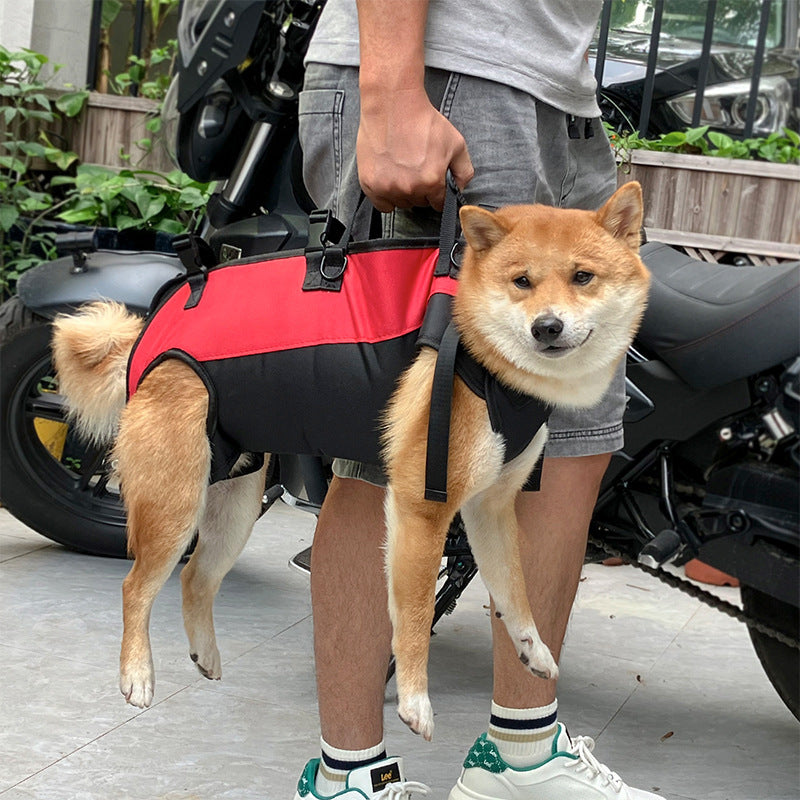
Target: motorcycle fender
[131, 278]
[754, 564]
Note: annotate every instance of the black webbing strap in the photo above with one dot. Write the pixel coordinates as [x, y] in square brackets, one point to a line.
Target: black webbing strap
[439, 418]
[450, 228]
[197, 258]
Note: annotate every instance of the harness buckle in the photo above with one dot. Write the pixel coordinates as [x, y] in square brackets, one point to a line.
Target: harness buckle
[325, 259]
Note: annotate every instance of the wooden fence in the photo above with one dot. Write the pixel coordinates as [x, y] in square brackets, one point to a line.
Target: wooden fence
[718, 203]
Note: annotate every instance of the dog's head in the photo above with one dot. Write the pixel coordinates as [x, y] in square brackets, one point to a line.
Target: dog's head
[549, 299]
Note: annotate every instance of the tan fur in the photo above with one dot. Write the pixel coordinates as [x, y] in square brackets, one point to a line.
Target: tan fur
[494, 317]
[90, 352]
[164, 458]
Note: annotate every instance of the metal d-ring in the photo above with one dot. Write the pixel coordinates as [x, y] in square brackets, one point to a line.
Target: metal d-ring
[334, 276]
[457, 254]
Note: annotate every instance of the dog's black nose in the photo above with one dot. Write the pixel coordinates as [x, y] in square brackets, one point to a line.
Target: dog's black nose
[547, 329]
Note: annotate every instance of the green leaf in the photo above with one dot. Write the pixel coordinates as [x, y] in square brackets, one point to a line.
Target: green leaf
[12, 163]
[793, 136]
[695, 135]
[720, 140]
[63, 160]
[78, 215]
[71, 103]
[32, 149]
[110, 10]
[170, 226]
[8, 216]
[674, 139]
[62, 180]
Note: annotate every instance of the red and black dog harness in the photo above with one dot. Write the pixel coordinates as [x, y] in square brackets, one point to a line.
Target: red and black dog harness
[301, 351]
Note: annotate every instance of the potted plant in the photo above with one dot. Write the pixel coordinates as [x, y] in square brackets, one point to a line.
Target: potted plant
[705, 190]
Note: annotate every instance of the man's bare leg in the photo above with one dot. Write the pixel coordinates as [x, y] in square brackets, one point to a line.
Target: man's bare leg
[352, 631]
[554, 524]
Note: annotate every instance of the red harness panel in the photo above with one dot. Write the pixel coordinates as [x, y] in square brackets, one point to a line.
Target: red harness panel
[259, 307]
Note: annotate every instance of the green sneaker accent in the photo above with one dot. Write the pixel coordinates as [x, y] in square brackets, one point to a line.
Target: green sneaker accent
[484, 755]
[308, 780]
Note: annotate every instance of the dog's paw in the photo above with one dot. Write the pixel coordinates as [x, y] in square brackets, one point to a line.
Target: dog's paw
[536, 656]
[137, 686]
[209, 663]
[416, 711]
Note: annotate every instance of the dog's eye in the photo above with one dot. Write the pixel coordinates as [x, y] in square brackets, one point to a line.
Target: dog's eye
[522, 282]
[581, 277]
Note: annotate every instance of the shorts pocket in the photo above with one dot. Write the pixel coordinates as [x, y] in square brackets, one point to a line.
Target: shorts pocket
[320, 132]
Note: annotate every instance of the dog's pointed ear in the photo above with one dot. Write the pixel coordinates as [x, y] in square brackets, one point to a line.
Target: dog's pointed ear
[622, 215]
[482, 229]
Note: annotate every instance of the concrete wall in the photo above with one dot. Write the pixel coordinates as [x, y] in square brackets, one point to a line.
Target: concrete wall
[57, 28]
[16, 23]
[61, 32]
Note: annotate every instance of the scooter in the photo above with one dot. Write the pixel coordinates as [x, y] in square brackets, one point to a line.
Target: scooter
[710, 464]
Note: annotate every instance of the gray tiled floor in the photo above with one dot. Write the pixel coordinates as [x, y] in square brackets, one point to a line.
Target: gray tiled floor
[671, 689]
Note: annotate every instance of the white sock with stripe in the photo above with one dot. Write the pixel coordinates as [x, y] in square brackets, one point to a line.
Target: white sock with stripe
[523, 736]
[335, 764]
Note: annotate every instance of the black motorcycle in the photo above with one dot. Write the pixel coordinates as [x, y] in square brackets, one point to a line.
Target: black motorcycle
[710, 465]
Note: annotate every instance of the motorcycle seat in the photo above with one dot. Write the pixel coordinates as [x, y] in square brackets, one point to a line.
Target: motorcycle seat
[714, 323]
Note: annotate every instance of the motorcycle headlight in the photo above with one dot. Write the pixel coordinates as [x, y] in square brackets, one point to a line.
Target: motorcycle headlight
[725, 106]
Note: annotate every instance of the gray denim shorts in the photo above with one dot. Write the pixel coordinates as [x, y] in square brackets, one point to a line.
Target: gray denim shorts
[522, 153]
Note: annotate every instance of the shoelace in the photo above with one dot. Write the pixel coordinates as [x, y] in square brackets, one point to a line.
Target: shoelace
[582, 747]
[401, 790]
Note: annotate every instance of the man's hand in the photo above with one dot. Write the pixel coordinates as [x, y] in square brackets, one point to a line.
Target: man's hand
[405, 146]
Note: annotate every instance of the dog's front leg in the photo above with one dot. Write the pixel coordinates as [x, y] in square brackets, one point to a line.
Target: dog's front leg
[492, 530]
[415, 541]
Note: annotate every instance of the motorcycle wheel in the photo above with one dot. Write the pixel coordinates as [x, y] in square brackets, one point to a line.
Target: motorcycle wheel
[780, 662]
[53, 482]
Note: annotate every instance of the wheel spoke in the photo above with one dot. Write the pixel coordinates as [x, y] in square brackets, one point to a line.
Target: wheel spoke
[47, 406]
[90, 466]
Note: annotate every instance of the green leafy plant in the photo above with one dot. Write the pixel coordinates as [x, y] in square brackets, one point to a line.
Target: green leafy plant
[150, 71]
[138, 69]
[131, 199]
[781, 147]
[29, 119]
[41, 183]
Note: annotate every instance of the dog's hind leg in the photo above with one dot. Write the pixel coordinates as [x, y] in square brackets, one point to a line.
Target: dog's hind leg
[164, 458]
[232, 507]
[491, 523]
[415, 535]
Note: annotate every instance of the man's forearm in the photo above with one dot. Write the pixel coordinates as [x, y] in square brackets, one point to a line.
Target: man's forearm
[392, 36]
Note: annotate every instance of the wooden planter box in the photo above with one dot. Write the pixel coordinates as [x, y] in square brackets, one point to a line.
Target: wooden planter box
[110, 123]
[718, 203]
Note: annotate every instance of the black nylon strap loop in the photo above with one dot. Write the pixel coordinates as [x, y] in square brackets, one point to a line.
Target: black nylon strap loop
[439, 418]
[450, 228]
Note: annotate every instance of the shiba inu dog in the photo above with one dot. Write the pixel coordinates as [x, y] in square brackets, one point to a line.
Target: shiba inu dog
[548, 301]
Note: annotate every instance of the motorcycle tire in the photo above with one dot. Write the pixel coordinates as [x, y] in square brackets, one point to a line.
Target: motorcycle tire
[780, 662]
[49, 479]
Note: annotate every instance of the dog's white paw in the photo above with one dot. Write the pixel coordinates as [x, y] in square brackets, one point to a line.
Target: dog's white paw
[536, 655]
[208, 661]
[137, 685]
[416, 711]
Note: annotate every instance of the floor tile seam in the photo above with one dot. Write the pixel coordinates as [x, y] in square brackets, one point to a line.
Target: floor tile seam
[92, 741]
[35, 549]
[52, 656]
[655, 661]
[268, 639]
[201, 682]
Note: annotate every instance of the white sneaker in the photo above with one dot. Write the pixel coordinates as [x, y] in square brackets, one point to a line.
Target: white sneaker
[571, 771]
[382, 780]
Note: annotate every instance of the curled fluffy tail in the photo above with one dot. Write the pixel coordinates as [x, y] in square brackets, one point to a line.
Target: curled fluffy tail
[90, 351]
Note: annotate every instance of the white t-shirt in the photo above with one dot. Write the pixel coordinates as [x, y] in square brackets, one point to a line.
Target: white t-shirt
[536, 46]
